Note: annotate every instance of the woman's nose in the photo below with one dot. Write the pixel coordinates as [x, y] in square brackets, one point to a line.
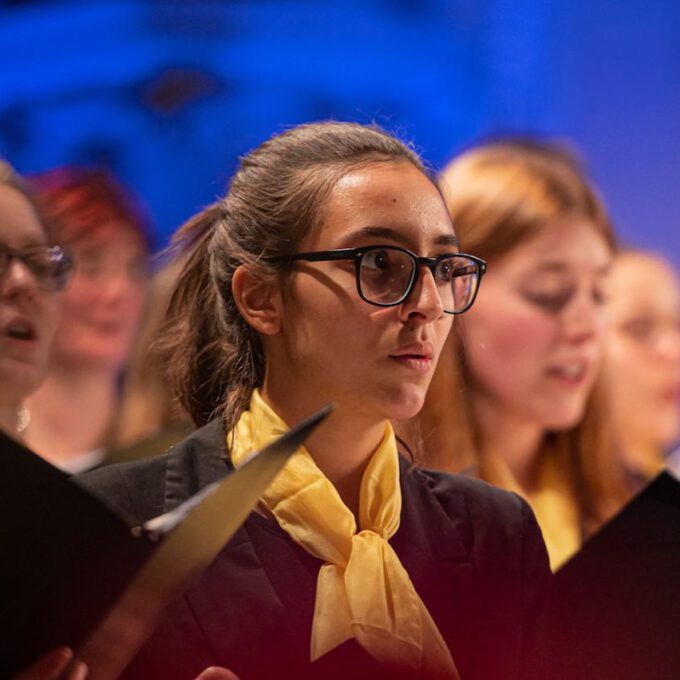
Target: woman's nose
[584, 319]
[116, 286]
[424, 302]
[18, 279]
[668, 343]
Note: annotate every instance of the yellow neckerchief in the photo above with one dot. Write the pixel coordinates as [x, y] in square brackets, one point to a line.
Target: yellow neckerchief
[648, 464]
[654, 465]
[362, 590]
[553, 503]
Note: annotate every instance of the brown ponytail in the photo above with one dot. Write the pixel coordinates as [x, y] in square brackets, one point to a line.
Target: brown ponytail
[192, 343]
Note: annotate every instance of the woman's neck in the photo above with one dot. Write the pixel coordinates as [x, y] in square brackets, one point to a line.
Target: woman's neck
[71, 413]
[507, 436]
[642, 455]
[341, 447]
[9, 416]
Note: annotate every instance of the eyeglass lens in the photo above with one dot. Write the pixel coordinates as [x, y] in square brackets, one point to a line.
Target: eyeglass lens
[49, 264]
[386, 275]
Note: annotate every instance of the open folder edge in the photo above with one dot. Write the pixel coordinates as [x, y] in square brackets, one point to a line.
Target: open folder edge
[190, 537]
[614, 611]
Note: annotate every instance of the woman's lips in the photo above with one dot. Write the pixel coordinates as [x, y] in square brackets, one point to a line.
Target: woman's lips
[416, 357]
[420, 364]
[570, 374]
[20, 329]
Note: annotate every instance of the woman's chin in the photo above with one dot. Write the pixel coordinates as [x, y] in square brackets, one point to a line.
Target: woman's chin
[406, 405]
[558, 422]
[23, 381]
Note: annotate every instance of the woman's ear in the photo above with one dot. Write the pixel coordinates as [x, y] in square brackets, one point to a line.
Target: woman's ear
[258, 299]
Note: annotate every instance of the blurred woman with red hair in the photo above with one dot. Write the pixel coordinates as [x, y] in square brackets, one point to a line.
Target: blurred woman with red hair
[73, 414]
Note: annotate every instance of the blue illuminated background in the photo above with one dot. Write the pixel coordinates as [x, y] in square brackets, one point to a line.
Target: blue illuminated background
[169, 94]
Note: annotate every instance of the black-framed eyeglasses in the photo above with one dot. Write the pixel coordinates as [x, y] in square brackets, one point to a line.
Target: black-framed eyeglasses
[387, 275]
[50, 265]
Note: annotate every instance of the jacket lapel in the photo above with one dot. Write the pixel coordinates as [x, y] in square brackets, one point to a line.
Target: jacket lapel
[223, 598]
[194, 463]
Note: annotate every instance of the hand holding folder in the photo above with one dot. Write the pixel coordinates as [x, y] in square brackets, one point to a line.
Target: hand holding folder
[73, 573]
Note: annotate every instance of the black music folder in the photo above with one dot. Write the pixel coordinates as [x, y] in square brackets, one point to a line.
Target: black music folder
[615, 613]
[73, 573]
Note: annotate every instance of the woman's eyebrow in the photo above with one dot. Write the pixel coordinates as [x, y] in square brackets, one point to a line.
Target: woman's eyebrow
[559, 267]
[552, 266]
[447, 240]
[29, 243]
[393, 235]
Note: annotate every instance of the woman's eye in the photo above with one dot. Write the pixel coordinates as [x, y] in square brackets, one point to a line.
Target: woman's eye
[445, 271]
[550, 302]
[89, 266]
[639, 329]
[377, 259]
[452, 269]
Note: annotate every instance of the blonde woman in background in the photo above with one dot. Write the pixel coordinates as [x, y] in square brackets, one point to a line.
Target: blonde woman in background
[643, 361]
[514, 399]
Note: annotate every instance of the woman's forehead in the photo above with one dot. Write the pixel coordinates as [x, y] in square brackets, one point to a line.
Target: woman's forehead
[565, 240]
[18, 220]
[394, 197]
[643, 281]
[112, 233]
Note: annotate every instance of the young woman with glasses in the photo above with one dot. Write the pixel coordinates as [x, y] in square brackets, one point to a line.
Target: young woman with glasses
[514, 398]
[331, 272]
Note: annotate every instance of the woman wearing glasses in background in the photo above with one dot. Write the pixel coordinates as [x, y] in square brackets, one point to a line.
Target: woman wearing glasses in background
[32, 272]
[513, 400]
[330, 272]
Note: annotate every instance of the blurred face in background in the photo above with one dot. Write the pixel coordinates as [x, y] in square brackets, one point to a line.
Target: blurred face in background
[533, 340]
[104, 302]
[643, 352]
[28, 314]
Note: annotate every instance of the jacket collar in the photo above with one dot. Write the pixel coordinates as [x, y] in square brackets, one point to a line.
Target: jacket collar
[202, 458]
[196, 462]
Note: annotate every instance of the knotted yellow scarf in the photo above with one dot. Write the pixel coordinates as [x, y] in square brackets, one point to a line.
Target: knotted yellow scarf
[362, 591]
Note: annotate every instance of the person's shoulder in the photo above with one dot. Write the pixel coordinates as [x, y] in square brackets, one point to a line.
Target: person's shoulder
[498, 527]
[142, 489]
[480, 498]
[133, 490]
